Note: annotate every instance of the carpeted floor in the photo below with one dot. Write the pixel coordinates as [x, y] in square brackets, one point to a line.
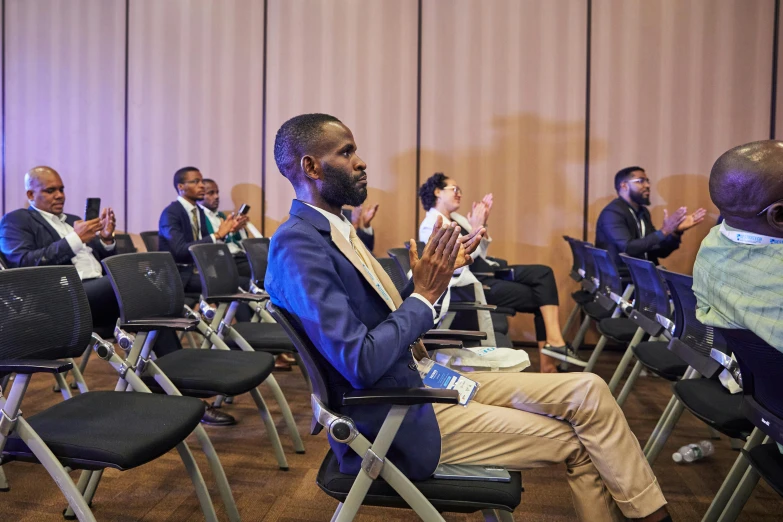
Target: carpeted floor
[161, 490]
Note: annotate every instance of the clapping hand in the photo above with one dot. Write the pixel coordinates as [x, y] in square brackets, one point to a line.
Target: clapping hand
[692, 220]
[108, 224]
[362, 216]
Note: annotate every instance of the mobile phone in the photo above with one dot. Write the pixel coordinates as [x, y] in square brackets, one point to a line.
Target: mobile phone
[93, 208]
[244, 209]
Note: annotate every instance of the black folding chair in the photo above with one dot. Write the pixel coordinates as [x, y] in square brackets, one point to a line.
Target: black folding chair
[704, 397]
[151, 240]
[651, 306]
[45, 317]
[761, 369]
[610, 302]
[382, 484]
[124, 244]
[257, 252]
[149, 291]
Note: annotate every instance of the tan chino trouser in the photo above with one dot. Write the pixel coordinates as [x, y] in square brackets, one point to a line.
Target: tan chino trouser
[530, 420]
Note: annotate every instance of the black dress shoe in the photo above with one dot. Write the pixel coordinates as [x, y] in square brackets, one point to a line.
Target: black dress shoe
[215, 417]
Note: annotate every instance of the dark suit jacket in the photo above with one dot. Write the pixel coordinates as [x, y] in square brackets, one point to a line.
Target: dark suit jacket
[175, 235]
[361, 343]
[367, 239]
[618, 233]
[27, 239]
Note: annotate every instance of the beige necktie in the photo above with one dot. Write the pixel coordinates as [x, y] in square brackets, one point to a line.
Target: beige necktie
[194, 223]
[379, 275]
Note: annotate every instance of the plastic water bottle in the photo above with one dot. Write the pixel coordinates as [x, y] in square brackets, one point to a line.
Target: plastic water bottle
[693, 452]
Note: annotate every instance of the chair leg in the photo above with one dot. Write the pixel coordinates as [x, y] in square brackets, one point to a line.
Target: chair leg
[3, 481]
[671, 421]
[355, 497]
[626, 360]
[580, 335]
[657, 430]
[570, 320]
[219, 473]
[336, 513]
[55, 470]
[271, 430]
[740, 496]
[732, 480]
[286, 411]
[92, 486]
[82, 367]
[628, 386]
[81, 486]
[198, 482]
[599, 347]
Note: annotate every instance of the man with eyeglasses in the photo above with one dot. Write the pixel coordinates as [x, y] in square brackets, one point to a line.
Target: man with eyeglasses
[183, 223]
[738, 275]
[625, 227]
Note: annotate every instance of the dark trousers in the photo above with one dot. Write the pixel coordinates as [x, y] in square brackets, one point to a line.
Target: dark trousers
[533, 286]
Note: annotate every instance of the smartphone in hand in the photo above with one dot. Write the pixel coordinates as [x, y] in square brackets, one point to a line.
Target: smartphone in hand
[244, 209]
[92, 209]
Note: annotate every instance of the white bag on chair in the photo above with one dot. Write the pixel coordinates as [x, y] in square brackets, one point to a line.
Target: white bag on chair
[482, 359]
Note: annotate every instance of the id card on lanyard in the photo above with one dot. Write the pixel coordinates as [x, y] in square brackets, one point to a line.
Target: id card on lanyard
[640, 226]
[435, 375]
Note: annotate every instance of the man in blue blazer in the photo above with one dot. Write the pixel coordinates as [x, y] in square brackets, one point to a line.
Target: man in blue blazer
[365, 333]
[42, 234]
[183, 223]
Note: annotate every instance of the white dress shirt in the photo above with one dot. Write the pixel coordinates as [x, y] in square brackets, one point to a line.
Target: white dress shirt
[86, 265]
[215, 220]
[189, 209]
[344, 227]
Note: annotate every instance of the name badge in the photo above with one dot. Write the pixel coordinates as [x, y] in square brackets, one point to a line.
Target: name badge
[437, 376]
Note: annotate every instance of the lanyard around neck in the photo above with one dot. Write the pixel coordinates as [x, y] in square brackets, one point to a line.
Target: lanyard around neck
[748, 238]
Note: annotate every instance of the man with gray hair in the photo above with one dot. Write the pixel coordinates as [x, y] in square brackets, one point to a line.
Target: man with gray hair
[42, 234]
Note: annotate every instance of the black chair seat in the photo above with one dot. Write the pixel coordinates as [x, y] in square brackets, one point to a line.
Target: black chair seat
[582, 297]
[455, 496]
[206, 373]
[596, 311]
[767, 460]
[229, 298]
[266, 337]
[106, 429]
[619, 329]
[656, 356]
[499, 322]
[708, 400]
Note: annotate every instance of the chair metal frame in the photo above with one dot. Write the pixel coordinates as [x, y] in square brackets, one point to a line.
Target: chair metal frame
[375, 463]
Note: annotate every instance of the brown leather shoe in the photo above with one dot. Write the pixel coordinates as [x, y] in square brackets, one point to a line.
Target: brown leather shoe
[215, 417]
[288, 358]
[281, 365]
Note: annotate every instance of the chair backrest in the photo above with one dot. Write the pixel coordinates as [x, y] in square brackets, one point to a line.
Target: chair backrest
[151, 241]
[402, 258]
[393, 271]
[585, 258]
[124, 244]
[605, 271]
[762, 379]
[310, 356]
[419, 246]
[693, 340]
[3, 262]
[650, 293]
[146, 284]
[577, 258]
[44, 313]
[216, 268]
[257, 251]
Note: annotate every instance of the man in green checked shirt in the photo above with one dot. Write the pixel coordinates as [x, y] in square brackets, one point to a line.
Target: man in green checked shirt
[738, 275]
[211, 204]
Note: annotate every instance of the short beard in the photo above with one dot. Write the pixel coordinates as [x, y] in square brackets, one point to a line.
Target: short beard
[339, 189]
[639, 199]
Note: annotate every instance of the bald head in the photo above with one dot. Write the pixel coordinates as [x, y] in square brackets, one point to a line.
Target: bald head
[747, 179]
[45, 189]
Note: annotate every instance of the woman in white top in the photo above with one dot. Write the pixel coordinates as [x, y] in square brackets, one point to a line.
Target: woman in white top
[533, 289]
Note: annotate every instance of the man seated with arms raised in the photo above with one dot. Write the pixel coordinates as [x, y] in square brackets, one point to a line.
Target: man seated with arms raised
[625, 226]
[211, 205]
[738, 274]
[322, 274]
[42, 234]
[183, 223]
